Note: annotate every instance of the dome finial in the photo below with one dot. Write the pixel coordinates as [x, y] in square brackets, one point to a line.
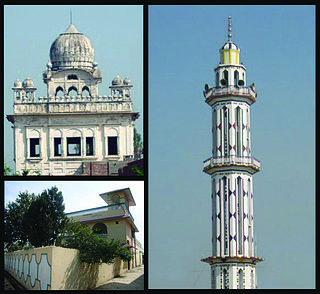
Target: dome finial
[229, 29]
[70, 16]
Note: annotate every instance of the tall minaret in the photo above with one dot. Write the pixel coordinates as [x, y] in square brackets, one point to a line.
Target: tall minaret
[231, 168]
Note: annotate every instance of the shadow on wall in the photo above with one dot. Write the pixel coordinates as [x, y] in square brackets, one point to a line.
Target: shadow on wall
[80, 275]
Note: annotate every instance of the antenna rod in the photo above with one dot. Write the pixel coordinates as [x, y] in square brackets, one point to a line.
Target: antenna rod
[70, 16]
[229, 29]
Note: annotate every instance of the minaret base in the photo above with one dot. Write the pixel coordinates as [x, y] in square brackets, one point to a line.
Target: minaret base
[233, 272]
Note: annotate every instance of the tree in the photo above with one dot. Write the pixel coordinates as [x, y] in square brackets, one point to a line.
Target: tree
[137, 144]
[14, 235]
[45, 218]
[93, 249]
[8, 171]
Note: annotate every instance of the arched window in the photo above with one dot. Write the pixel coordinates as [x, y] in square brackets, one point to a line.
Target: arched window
[59, 92]
[217, 79]
[115, 199]
[236, 78]
[85, 91]
[224, 81]
[73, 91]
[100, 228]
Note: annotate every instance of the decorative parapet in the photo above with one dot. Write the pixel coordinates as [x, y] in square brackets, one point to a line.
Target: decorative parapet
[54, 106]
[243, 91]
[216, 163]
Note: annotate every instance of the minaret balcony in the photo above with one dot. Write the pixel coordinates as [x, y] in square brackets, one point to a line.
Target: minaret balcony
[245, 93]
[232, 259]
[247, 163]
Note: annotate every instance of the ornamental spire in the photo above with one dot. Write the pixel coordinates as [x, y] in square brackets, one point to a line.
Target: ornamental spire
[229, 29]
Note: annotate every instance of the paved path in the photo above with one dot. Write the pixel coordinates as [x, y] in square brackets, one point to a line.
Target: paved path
[130, 280]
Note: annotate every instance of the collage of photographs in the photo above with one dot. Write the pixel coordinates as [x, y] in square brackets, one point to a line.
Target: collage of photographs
[129, 140]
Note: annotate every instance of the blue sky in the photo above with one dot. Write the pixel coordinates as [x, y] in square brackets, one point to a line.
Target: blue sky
[278, 49]
[84, 195]
[116, 33]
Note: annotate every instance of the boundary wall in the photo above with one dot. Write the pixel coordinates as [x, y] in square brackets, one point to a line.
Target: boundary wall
[57, 268]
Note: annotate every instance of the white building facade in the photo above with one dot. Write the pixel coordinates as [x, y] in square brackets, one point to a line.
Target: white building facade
[231, 168]
[72, 124]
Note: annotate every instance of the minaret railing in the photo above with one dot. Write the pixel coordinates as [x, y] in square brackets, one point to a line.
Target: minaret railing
[231, 160]
[231, 90]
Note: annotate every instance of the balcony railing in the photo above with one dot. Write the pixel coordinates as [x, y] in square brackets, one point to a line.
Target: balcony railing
[242, 91]
[231, 160]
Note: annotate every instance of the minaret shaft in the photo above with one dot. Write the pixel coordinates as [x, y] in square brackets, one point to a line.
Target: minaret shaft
[231, 168]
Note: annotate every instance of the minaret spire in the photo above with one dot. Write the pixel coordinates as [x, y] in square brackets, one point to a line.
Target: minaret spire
[229, 29]
[70, 17]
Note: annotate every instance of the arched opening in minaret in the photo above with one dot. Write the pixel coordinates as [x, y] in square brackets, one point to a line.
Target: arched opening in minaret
[235, 78]
[224, 80]
[240, 274]
[217, 79]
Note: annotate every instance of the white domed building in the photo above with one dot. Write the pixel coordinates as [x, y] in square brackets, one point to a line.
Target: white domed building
[73, 130]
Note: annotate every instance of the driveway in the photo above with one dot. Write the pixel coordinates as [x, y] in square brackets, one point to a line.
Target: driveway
[130, 280]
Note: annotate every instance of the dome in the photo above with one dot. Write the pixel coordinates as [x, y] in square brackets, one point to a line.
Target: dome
[117, 81]
[71, 49]
[126, 81]
[17, 84]
[28, 83]
[230, 46]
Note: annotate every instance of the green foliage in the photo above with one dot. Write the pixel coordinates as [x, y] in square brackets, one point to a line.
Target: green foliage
[137, 144]
[7, 170]
[137, 171]
[93, 249]
[14, 235]
[45, 218]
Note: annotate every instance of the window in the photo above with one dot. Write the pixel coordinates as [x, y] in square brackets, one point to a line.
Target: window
[73, 91]
[240, 273]
[73, 146]
[34, 147]
[112, 145]
[89, 146]
[57, 146]
[236, 78]
[72, 77]
[59, 92]
[100, 228]
[115, 199]
[85, 92]
[224, 81]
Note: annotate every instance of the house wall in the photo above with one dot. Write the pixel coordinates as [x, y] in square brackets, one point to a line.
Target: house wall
[57, 268]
